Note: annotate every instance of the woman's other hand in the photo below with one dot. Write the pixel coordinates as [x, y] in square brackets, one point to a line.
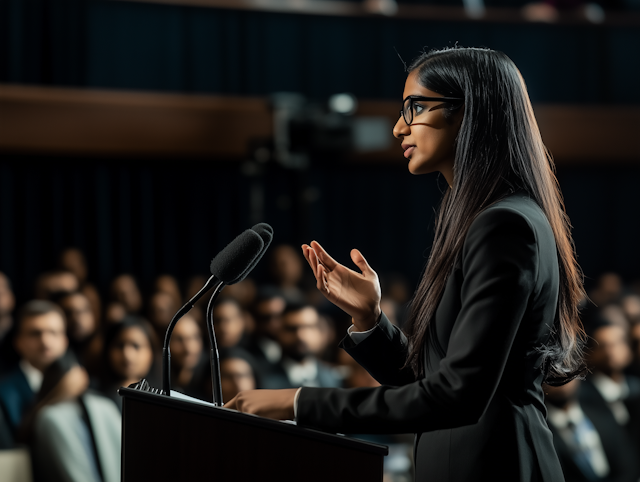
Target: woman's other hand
[276, 404]
[358, 294]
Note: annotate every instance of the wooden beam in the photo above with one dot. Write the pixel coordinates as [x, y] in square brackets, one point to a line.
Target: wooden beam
[111, 123]
[135, 124]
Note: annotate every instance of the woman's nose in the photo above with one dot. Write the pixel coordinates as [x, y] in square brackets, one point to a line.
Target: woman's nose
[401, 128]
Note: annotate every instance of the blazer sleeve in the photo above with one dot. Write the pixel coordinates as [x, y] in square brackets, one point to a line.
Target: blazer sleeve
[499, 266]
[383, 353]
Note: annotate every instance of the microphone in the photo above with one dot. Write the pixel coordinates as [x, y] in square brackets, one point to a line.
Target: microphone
[266, 234]
[227, 267]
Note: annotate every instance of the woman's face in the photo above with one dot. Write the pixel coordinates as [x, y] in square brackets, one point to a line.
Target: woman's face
[428, 143]
[131, 355]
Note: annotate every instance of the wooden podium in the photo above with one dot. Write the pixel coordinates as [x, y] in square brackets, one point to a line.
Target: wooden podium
[170, 439]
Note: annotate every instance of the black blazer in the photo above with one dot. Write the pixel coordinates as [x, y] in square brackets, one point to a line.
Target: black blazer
[478, 413]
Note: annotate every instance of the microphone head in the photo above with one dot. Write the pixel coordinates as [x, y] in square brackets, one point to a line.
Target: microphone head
[266, 233]
[234, 260]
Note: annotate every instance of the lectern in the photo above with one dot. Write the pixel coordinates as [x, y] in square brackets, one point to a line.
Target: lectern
[171, 439]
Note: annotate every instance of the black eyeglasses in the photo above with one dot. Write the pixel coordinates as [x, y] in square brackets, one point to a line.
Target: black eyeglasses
[410, 108]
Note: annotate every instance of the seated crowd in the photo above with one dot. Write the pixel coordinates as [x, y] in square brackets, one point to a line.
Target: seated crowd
[65, 353]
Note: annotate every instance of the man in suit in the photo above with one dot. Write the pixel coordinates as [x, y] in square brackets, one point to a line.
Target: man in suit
[300, 333]
[263, 345]
[609, 390]
[590, 444]
[40, 339]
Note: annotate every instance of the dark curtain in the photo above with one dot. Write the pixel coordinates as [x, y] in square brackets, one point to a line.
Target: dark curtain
[121, 45]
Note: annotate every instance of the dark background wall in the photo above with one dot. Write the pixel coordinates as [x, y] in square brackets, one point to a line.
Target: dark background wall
[155, 216]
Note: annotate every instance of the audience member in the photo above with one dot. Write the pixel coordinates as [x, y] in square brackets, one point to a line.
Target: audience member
[40, 338]
[630, 305]
[124, 290]
[299, 335]
[590, 444]
[82, 329]
[244, 292]
[262, 345]
[229, 322]
[609, 390]
[237, 372]
[285, 268]
[74, 434]
[114, 313]
[189, 362]
[165, 283]
[7, 304]
[162, 307]
[55, 282]
[73, 260]
[353, 374]
[128, 356]
[608, 289]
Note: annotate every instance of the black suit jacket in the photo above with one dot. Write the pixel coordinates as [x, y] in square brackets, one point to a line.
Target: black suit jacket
[478, 413]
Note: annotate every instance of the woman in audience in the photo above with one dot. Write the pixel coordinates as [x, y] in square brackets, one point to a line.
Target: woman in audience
[189, 362]
[129, 354]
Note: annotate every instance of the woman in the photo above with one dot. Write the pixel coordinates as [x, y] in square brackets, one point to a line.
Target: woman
[129, 353]
[495, 314]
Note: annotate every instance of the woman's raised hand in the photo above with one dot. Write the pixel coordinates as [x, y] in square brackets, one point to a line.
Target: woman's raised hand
[358, 294]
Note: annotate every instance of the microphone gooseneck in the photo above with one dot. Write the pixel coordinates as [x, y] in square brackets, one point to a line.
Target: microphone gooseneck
[227, 267]
[266, 234]
[214, 356]
[166, 353]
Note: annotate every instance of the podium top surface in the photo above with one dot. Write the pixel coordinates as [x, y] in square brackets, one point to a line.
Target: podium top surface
[248, 419]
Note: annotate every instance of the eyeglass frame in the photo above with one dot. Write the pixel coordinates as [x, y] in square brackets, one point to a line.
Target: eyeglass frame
[413, 98]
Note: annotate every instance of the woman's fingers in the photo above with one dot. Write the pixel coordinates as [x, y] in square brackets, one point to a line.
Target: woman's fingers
[231, 403]
[323, 256]
[361, 263]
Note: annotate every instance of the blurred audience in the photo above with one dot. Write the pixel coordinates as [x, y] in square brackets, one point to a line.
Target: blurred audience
[130, 349]
[590, 444]
[74, 434]
[40, 338]
[52, 283]
[301, 338]
[285, 268]
[168, 284]
[82, 329]
[237, 372]
[189, 362]
[269, 336]
[263, 344]
[73, 260]
[7, 304]
[243, 292]
[607, 290]
[162, 307]
[609, 390]
[229, 323]
[124, 290]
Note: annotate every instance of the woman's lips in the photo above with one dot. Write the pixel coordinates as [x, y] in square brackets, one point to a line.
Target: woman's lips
[409, 151]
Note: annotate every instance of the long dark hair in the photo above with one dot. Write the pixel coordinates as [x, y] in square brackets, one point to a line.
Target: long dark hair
[498, 149]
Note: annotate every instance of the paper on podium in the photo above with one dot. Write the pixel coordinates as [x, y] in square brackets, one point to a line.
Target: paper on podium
[182, 396]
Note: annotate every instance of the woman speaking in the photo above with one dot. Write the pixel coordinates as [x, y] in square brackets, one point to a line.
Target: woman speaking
[496, 312]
